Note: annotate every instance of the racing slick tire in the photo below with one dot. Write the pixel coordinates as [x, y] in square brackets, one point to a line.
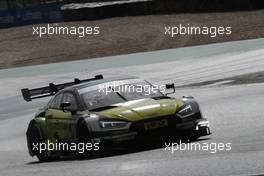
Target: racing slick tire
[34, 136]
[84, 136]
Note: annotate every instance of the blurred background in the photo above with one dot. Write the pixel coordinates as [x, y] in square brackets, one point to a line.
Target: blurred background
[24, 12]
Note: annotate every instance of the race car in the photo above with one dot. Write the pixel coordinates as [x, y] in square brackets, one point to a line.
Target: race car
[100, 110]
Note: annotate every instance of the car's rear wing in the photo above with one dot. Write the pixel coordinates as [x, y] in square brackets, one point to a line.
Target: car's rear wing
[30, 94]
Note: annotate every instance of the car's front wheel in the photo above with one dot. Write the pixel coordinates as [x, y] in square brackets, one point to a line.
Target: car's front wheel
[84, 136]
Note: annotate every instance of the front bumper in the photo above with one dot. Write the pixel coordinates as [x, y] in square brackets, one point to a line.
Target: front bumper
[197, 128]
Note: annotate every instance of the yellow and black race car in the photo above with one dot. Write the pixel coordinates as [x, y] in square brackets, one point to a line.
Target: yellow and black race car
[84, 114]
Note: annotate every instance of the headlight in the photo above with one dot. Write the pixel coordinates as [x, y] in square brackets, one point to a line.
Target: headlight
[185, 111]
[112, 124]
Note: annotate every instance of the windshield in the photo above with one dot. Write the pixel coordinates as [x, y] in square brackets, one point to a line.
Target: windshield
[112, 94]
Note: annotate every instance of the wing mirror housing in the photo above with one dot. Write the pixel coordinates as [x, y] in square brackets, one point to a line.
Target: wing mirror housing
[170, 88]
[66, 107]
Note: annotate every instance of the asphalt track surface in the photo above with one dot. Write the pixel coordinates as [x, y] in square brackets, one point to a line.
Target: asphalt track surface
[235, 113]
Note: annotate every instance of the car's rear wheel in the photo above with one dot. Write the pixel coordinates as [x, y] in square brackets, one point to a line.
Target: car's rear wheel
[35, 138]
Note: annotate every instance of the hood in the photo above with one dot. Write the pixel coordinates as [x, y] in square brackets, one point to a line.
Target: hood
[143, 109]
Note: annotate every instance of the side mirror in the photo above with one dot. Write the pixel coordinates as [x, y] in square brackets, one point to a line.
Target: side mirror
[170, 86]
[65, 106]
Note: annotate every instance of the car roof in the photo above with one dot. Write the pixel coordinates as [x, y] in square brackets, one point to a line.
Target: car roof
[99, 81]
